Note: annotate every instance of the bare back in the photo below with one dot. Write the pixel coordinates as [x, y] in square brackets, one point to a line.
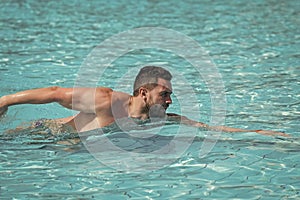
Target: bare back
[109, 105]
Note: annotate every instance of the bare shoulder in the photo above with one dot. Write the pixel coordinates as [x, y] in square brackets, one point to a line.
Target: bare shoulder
[107, 96]
[120, 95]
[104, 90]
[103, 93]
[120, 98]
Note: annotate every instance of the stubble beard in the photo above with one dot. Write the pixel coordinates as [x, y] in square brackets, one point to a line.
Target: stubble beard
[156, 111]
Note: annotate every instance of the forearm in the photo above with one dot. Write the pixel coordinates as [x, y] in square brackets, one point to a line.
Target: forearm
[238, 130]
[81, 99]
[35, 96]
[232, 130]
[228, 129]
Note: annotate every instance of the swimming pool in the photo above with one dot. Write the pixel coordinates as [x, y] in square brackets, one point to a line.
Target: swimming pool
[255, 48]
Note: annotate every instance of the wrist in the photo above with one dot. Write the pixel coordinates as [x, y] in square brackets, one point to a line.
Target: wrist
[3, 101]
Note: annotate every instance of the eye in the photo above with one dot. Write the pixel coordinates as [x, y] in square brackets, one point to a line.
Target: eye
[165, 94]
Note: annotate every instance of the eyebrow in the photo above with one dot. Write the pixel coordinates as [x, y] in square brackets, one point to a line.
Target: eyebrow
[166, 91]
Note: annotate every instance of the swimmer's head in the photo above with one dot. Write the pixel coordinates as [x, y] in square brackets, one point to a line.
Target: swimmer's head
[148, 77]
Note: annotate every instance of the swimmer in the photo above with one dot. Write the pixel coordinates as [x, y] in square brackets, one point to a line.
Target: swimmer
[101, 106]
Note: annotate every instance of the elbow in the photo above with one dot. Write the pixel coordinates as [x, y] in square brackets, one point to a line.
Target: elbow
[55, 94]
[54, 88]
[63, 96]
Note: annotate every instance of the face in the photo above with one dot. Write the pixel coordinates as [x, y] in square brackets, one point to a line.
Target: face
[161, 94]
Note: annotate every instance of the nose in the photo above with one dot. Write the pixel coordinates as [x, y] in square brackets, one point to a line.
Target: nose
[169, 100]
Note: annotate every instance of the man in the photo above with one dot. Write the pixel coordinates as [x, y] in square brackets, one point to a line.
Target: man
[100, 107]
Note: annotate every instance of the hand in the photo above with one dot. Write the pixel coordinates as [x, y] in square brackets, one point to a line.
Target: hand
[3, 110]
[272, 133]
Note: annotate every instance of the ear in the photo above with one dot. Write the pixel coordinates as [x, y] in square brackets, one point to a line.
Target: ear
[143, 92]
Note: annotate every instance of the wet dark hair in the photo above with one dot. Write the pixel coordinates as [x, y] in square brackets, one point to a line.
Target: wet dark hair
[148, 76]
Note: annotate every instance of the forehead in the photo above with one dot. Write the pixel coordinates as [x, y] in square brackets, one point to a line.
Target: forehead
[164, 84]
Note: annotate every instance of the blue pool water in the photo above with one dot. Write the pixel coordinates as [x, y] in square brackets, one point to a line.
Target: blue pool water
[255, 47]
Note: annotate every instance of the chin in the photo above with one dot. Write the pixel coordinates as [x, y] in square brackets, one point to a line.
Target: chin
[157, 111]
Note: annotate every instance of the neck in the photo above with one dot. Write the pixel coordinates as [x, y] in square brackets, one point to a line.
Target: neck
[136, 109]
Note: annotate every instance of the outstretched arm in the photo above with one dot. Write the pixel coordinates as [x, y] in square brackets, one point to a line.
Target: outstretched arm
[81, 99]
[190, 122]
[37, 96]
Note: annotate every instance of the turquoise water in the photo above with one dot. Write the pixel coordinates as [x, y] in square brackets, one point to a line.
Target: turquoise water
[255, 46]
